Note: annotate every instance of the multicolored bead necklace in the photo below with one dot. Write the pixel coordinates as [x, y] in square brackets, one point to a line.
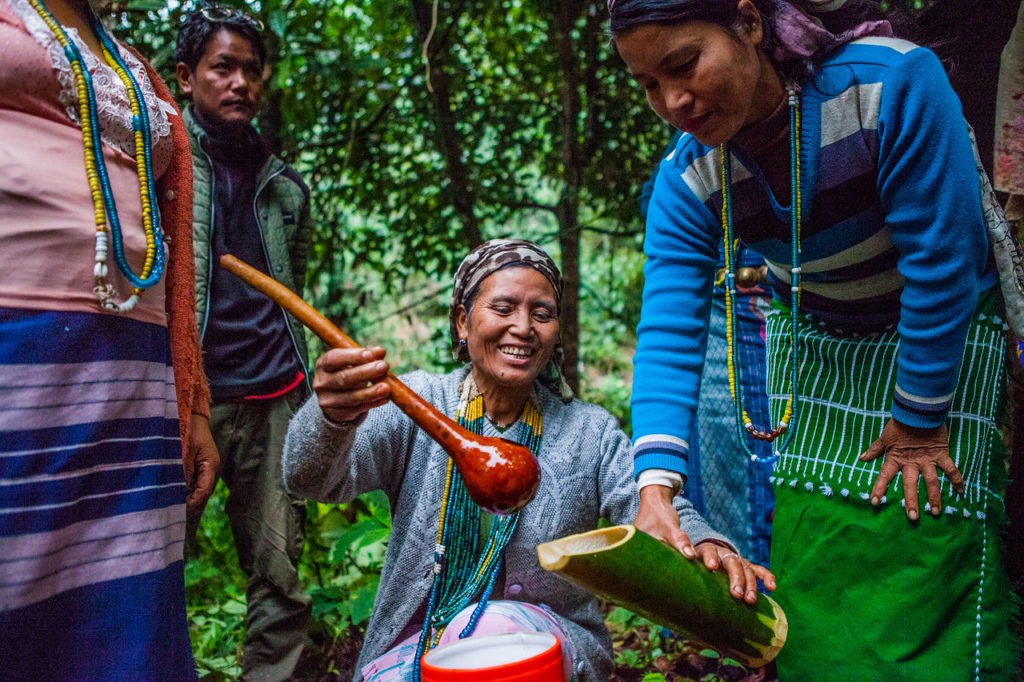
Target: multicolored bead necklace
[729, 249]
[459, 574]
[104, 207]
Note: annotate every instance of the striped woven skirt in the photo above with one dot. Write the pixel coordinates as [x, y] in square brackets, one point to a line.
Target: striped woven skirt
[868, 594]
[92, 494]
[732, 492]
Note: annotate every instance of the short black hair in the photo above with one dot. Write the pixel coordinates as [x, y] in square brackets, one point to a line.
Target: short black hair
[196, 31]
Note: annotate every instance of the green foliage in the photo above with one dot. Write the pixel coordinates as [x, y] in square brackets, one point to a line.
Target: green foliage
[629, 625]
[344, 553]
[888, 5]
[215, 592]
[644, 646]
[611, 282]
[527, 125]
[345, 547]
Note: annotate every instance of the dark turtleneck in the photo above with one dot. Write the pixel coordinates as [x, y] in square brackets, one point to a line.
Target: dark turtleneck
[248, 348]
[766, 143]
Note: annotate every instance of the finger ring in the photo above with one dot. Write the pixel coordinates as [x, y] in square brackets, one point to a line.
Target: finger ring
[726, 556]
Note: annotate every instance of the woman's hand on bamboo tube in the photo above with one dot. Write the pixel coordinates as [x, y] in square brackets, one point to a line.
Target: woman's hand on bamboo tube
[658, 518]
[743, 574]
[349, 382]
[914, 452]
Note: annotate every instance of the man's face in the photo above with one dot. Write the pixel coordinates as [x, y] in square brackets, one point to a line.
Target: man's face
[226, 84]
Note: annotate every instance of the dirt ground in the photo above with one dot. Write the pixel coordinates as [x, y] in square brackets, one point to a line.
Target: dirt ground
[680, 666]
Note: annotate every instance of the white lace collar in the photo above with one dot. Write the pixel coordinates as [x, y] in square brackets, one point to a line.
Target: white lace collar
[113, 106]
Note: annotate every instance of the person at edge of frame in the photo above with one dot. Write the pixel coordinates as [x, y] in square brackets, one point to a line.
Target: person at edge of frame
[251, 204]
[841, 154]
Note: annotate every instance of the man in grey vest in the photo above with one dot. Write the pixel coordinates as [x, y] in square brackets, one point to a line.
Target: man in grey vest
[251, 204]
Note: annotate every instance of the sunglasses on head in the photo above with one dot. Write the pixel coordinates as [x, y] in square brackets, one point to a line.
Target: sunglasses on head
[217, 14]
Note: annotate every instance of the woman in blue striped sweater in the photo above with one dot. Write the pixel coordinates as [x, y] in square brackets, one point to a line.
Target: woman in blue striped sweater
[846, 162]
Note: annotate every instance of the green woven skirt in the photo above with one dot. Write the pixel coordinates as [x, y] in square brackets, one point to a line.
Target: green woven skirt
[868, 594]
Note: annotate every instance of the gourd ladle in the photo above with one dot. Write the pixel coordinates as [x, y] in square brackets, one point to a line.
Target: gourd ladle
[500, 476]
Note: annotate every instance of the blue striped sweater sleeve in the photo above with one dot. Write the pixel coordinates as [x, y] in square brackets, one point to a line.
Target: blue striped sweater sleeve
[682, 251]
[929, 190]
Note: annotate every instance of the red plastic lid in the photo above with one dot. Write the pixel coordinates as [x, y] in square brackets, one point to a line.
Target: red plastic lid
[509, 657]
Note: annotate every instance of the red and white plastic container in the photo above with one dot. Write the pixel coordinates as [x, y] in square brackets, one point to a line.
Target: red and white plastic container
[509, 657]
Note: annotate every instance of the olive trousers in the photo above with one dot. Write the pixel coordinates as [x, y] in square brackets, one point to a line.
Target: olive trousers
[268, 526]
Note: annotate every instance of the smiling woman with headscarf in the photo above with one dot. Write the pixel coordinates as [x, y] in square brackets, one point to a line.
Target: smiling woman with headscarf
[347, 440]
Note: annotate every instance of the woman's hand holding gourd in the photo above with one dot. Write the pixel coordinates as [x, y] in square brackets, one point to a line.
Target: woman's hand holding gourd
[914, 452]
[349, 382]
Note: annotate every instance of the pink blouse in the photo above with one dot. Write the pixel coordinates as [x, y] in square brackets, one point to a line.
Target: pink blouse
[47, 229]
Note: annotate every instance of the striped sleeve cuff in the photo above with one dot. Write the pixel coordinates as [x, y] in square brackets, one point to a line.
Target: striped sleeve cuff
[660, 451]
[919, 411]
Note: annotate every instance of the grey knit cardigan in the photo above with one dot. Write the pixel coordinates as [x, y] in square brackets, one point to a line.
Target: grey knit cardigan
[586, 474]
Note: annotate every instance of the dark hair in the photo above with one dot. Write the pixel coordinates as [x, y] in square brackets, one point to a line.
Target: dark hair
[197, 30]
[627, 15]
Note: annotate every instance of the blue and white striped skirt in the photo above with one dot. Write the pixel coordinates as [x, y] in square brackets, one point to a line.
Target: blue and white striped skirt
[92, 492]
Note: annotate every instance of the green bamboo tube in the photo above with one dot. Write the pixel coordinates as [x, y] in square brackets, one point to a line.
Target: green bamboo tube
[632, 569]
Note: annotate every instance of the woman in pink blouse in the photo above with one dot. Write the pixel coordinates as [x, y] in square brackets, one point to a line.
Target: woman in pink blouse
[100, 375]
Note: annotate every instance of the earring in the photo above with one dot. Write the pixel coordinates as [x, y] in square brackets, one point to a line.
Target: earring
[462, 344]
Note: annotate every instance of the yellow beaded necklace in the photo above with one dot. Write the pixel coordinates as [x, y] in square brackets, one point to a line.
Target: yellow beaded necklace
[460, 575]
[729, 248]
[104, 206]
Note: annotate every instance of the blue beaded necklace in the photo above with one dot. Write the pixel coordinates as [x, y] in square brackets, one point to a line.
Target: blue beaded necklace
[743, 421]
[105, 208]
[459, 573]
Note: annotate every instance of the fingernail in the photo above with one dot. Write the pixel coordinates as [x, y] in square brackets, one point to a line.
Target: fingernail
[936, 510]
[380, 366]
[912, 514]
[688, 552]
[874, 500]
[737, 590]
[381, 388]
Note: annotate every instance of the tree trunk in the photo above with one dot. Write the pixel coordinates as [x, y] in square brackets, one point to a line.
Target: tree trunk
[572, 175]
[569, 243]
[449, 142]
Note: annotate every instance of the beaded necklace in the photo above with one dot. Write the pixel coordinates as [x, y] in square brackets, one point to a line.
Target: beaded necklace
[104, 207]
[459, 574]
[729, 249]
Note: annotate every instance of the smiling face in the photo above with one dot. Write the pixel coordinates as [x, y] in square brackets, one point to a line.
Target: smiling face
[704, 79]
[511, 330]
[227, 82]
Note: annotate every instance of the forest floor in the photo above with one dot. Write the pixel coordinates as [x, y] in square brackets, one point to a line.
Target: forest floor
[684, 668]
[643, 654]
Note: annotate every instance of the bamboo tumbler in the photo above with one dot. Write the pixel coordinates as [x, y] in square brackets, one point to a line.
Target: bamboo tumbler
[500, 476]
[632, 569]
